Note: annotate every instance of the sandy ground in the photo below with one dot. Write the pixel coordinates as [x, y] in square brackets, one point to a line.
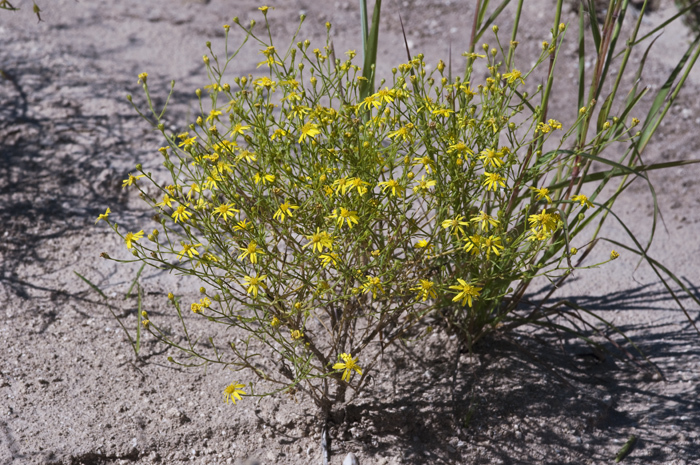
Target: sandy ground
[71, 390]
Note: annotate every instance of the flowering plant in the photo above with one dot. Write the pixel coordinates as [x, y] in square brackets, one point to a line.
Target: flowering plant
[326, 220]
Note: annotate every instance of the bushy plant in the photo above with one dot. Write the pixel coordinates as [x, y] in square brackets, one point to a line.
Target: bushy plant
[326, 220]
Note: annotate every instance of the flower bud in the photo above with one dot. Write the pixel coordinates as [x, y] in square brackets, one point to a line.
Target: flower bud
[171, 296]
[161, 127]
[614, 255]
[495, 29]
[198, 93]
[206, 59]
[199, 121]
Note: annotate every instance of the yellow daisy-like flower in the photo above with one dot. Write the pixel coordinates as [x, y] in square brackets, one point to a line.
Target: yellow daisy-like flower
[130, 238]
[359, 184]
[491, 244]
[167, 201]
[348, 364]
[131, 180]
[103, 216]
[493, 181]
[233, 391]
[345, 216]
[491, 157]
[541, 193]
[461, 149]
[188, 249]
[242, 225]
[403, 132]
[296, 334]
[423, 185]
[425, 290]
[319, 240]
[466, 292]
[254, 284]
[285, 209]
[390, 184]
[456, 225]
[472, 244]
[309, 130]
[614, 255]
[425, 162]
[225, 210]
[545, 221]
[373, 285]
[264, 177]
[251, 251]
[583, 200]
[181, 213]
[239, 128]
[513, 76]
[485, 220]
[328, 258]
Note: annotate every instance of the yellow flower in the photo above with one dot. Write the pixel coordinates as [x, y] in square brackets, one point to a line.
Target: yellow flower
[403, 132]
[493, 180]
[131, 180]
[264, 177]
[546, 221]
[254, 283]
[461, 149]
[513, 76]
[186, 141]
[467, 292]
[425, 290]
[583, 200]
[232, 392]
[132, 237]
[285, 208]
[348, 364]
[319, 240]
[614, 255]
[251, 251]
[225, 210]
[196, 308]
[541, 193]
[167, 200]
[425, 161]
[296, 334]
[242, 225]
[328, 258]
[359, 184]
[491, 157]
[345, 215]
[423, 185]
[308, 130]
[239, 129]
[373, 285]
[265, 82]
[213, 115]
[456, 225]
[275, 322]
[188, 249]
[485, 220]
[142, 77]
[390, 184]
[472, 244]
[103, 216]
[491, 244]
[539, 235]
[342, 185]
[181, 213]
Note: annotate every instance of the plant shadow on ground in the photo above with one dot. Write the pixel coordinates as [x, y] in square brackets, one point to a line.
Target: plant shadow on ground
[63, 157]
[535, 396]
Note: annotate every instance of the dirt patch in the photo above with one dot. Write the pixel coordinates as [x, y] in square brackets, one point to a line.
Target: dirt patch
[72, 391]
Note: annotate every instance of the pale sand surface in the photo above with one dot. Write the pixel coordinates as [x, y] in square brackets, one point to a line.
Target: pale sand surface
[71, 391]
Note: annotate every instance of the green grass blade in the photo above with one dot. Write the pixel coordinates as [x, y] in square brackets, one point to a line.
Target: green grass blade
[93, 286]
[665, 23]
[595, 27]
[496, 13]
[658, 109]
[368, 71]
[137, 346]
[133, 283]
